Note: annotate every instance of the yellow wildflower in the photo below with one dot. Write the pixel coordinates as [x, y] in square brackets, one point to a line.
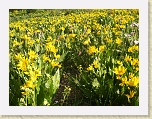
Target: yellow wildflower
[72, 35]
[62, 28]
[37, 72]
[50, 47]
[62, 36]
[92, 49]
[106, 38]
[118, 41]
[49, 38]
[109, 40]
[15, 43]
[32, 54]
[118, 33]
[123, 81]
[134, 62]
[23, 63]
[30, 42]
[133, 81]
[101, 48]
[69, 45]
[53, 49]
[135, 47]
[131, 75]
[130, 49]
[96, 64]
[18, 56]
[118, 77]
[119, 62]
[98, 33]
[56, 56]
[37, 40]
[59, 66]
[87, 41]
[69, 89]
[131, 95]
[30, 84]
[25, 93]
[45, 58]
[120, 70]
[90, 68]
[88, 31]
[128, 58]
[54, 64]
[67, 39]
[137, 68]
[33, 74]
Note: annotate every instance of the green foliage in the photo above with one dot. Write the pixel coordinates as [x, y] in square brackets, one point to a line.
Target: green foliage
[97, 48]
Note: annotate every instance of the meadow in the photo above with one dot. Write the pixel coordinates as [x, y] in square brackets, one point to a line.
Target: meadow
[81, 57]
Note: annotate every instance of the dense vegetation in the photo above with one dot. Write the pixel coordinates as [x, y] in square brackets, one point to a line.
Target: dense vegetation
[96, 50]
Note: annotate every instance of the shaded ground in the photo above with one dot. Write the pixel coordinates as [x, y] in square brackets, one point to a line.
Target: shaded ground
[73, 99]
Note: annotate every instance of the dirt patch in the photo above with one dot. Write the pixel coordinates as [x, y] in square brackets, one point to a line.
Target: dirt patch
[73, 97]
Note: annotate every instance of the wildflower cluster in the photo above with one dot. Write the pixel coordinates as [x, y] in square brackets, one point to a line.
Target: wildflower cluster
[99, 48]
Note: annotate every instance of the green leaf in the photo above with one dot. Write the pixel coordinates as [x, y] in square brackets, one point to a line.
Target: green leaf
[137, 102]
[37, 47]
[56, 81]
[48, 83]
[111, 82]
[129, 68]
[61, 57]
[95, 83]
[41, 95]
[38, 86]
[49, 89]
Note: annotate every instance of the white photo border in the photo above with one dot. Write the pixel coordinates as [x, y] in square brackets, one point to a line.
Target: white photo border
[142, 5]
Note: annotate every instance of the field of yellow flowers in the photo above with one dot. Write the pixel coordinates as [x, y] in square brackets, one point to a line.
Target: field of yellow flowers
[97, 51]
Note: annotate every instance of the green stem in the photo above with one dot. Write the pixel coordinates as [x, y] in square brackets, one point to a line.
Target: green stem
[26, 100]
[106, 98]
[34, 98]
